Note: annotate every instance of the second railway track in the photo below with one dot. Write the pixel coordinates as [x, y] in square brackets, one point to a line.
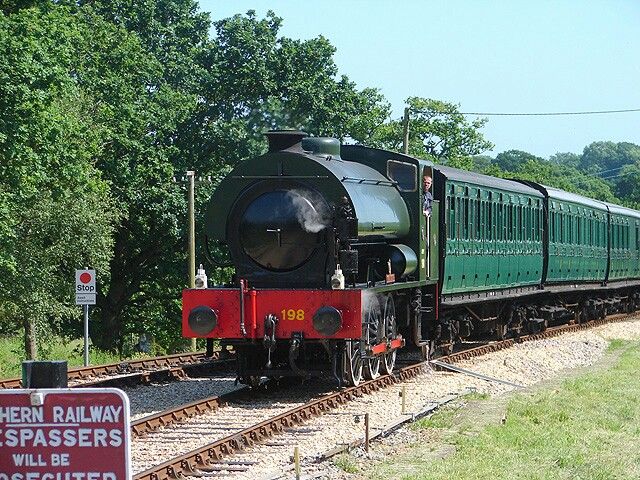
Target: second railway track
[139, 371]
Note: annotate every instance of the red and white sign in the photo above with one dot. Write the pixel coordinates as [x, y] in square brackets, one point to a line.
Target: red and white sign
[51, 434]
[85, 288]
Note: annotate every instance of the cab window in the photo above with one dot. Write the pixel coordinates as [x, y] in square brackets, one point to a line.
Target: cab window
[404, 174]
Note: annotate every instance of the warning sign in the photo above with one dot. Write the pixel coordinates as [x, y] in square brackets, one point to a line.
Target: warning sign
[85, 287]
[64, 434]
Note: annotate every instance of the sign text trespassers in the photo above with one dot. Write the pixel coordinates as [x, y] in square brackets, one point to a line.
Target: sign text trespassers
[63, 434]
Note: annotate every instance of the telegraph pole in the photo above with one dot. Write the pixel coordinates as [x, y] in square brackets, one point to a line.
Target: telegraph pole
[405, 131]
[191, 175]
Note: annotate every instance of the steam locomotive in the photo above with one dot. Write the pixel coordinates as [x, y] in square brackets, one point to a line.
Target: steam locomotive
[337, 266]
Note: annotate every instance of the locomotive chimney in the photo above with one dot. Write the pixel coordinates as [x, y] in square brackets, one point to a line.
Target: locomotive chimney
[290, 140]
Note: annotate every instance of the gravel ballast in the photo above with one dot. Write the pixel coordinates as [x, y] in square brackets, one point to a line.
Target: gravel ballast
[524, 364]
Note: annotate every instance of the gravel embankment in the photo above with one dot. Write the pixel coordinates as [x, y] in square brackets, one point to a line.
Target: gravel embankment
[147, 400]
[524, 364]
[198, 431]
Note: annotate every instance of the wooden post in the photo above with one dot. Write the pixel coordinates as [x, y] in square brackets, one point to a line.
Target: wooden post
[296, 461]
[405, 131]
[404, 402]
[366, 432]
[192, 237]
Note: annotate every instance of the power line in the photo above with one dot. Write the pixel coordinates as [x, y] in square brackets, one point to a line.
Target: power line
[535, 114]
[621, 174]
[611, 170]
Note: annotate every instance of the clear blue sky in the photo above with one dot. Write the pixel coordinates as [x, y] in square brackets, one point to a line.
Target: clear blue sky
[488, 56]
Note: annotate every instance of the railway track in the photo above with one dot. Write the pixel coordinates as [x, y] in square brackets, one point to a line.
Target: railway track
[215, 456]
[548, 333]
[134, 372]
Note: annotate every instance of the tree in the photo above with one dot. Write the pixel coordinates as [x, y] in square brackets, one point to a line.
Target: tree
[514, 160]
[526, 166]
[566, 158]
[437, 130]
[482, 163]
[56, 213]
[608, 157]
[627, 185]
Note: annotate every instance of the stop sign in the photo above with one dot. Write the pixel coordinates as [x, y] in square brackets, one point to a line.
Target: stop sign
[85, 288]
[85, 281]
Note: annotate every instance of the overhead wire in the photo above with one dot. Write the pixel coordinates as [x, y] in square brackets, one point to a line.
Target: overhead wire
[530, 114]
[621, 174]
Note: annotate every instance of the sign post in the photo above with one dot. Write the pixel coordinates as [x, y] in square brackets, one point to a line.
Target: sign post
[48, 434]
[85, 296]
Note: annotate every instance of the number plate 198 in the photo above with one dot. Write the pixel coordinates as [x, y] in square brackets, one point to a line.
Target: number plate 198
[292, 314]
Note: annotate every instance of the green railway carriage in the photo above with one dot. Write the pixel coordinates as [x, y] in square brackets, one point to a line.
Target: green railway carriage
[577, 228]
[575, 237]
[624, 243]
[491, 232]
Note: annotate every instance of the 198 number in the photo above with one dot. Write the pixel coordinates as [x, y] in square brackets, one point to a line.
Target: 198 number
[291, 314]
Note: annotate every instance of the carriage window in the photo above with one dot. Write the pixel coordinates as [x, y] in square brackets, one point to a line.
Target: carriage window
[465, 219]
[570, 219]
[479, 208]
[626, 237]
[404, 174]
[458, 219]
[451, 217]
[580, 231]
[519, 222]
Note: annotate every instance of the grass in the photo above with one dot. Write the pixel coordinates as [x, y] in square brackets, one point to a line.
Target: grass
[346, 463]
[587, 427]
[12, 354]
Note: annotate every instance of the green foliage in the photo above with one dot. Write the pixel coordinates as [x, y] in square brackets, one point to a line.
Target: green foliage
[553, 173]
[566, 158]
[56, 212]
[578, 173]
[607, 156]
[346, 463]
[437, 130]
[55, 348]
[619, 164]
[627, 184]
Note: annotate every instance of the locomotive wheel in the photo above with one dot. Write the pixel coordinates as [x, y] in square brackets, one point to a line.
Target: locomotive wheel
[353, 362]
[372, 334]
[391, 331]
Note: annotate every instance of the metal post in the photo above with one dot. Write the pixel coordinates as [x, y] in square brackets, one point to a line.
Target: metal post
[405, 131]
[85, 309]
[192, 237]
[296, 461]
[366, 432]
